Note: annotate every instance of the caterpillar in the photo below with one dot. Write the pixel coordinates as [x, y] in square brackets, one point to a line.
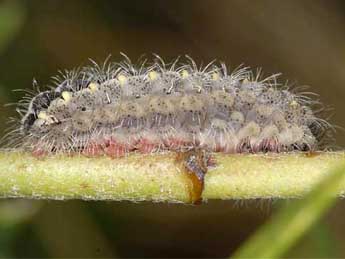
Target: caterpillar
[116, 108]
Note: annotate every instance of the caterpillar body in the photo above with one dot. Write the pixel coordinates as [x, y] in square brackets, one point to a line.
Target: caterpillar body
[117, 108]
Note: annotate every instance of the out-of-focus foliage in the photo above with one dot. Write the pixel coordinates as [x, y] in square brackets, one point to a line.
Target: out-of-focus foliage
[12, 16]
[290, 223]
[11, 20]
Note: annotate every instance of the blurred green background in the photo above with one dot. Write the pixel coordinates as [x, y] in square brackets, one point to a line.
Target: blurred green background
[305, 40]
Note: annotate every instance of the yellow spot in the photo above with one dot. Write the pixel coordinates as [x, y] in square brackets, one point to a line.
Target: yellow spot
[215, 76]
[237, 116]
[66, 96]
[250, 130]
[42, 115]
[122, 79]
[184, 74]
[153, 75]
[294, 103]
[93, 87]
[245, 81]
[254, 129]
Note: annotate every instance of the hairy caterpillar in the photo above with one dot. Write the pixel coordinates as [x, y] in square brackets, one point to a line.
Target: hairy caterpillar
[116, 108]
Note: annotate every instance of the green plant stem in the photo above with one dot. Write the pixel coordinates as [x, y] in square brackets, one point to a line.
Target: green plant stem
[160, 178]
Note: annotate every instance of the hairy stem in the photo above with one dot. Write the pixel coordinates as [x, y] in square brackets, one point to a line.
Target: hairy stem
[159, 177]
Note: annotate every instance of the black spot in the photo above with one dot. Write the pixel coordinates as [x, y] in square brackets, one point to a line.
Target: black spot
[317, 131]
[303, 147]
[28, 122]
[38, 103]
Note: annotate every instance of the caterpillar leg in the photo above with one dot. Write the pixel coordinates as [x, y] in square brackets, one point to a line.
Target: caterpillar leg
[195, 164]
[39, 152]
[93, 150]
